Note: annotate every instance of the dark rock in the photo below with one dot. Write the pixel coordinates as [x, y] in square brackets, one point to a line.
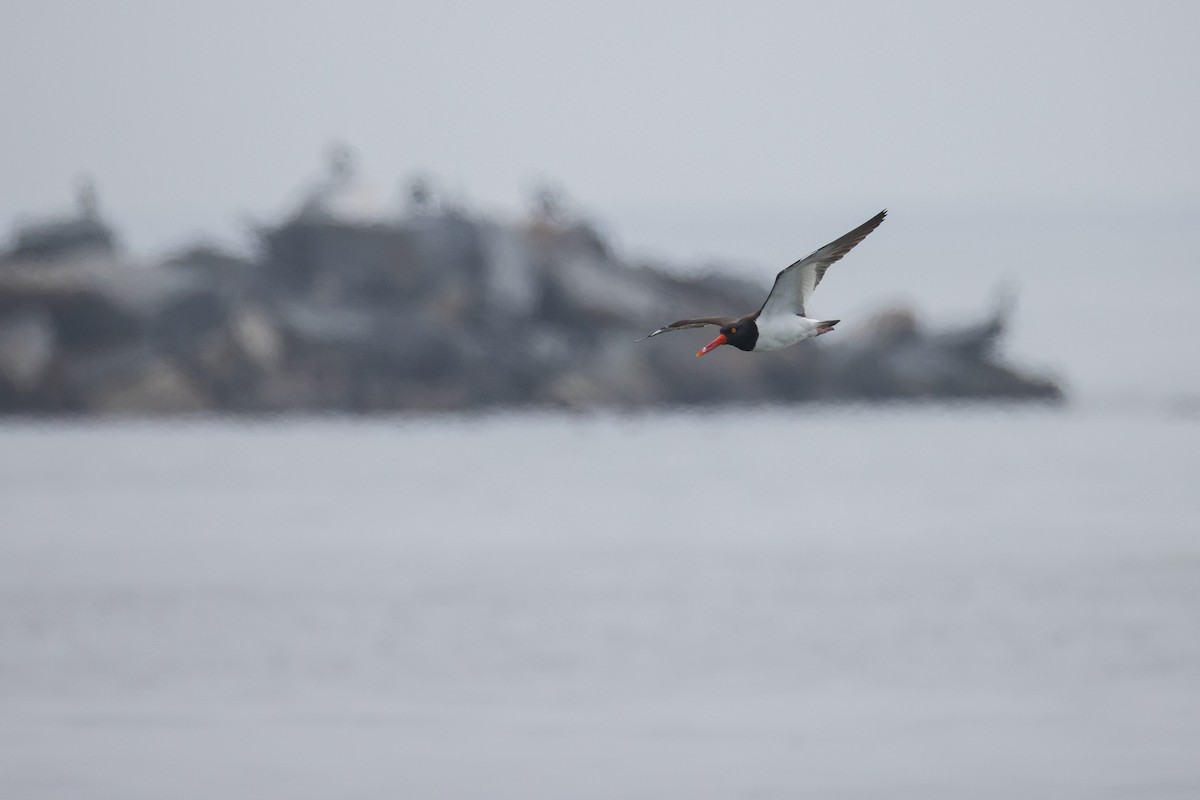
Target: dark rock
[84, 234]
[438, 310]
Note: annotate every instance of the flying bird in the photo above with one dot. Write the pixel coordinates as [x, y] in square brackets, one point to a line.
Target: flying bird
[781, 321]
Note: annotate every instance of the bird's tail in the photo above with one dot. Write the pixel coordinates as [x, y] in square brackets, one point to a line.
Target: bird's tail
[826, 325]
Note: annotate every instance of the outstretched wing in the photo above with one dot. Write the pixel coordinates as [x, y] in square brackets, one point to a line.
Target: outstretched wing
[699, 322]
[795, 284]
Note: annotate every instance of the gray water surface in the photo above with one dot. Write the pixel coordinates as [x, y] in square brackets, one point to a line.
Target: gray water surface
[779, 603]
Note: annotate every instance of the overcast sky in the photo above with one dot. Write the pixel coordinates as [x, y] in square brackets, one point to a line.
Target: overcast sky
[742, 130]
[189, 114]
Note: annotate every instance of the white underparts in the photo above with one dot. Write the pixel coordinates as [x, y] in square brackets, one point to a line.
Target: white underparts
[783, 331]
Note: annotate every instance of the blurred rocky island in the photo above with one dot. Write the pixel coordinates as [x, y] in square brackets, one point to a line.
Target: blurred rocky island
[349, 306]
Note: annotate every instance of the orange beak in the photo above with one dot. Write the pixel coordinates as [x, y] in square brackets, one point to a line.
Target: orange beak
[713, 345]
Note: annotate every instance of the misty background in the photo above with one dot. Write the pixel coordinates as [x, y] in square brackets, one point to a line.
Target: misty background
[1049, 147]
[764, 599]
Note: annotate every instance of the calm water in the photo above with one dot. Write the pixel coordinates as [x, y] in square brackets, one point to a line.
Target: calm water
[919, 604]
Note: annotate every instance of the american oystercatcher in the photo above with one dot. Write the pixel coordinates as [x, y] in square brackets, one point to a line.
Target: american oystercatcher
[781, 321]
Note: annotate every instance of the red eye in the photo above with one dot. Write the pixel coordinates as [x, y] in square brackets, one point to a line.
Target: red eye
[733, 330]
